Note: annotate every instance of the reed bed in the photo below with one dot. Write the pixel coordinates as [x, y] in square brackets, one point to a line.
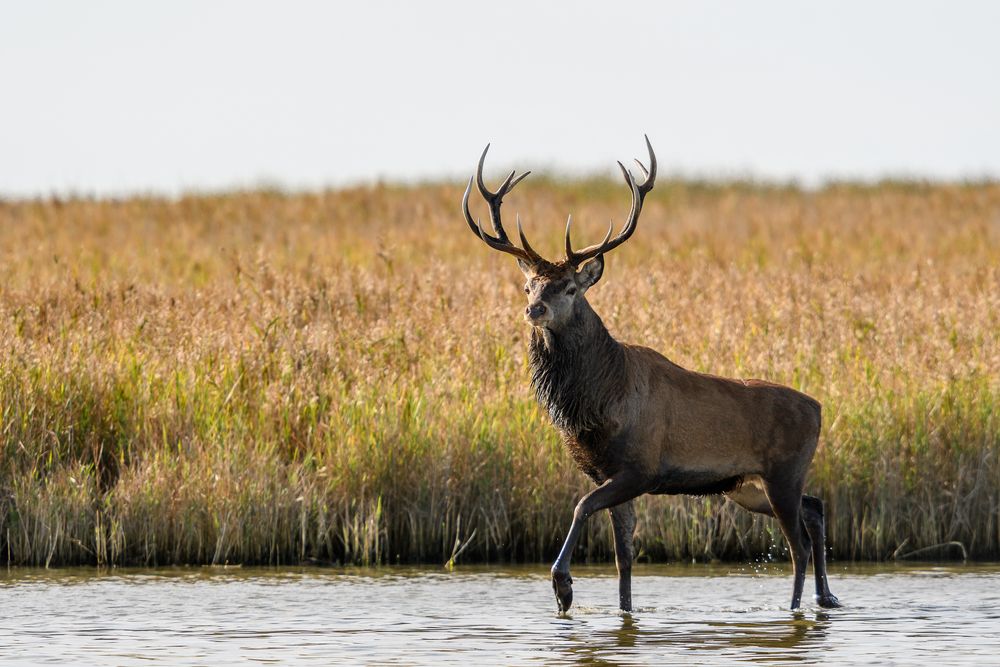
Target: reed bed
[269, 377]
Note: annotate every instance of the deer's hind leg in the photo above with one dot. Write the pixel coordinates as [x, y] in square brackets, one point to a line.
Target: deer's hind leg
[751, 496]
[812, 519]
[783, 503]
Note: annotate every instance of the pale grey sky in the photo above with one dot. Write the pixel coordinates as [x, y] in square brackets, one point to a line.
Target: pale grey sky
[116, 96]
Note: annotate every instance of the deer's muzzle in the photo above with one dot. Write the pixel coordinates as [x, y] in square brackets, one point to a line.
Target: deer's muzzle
[536, 312]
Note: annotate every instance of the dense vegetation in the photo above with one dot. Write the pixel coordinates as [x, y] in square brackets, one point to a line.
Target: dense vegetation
[340, 377]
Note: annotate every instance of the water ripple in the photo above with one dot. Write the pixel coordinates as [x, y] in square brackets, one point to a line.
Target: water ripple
[189, 616]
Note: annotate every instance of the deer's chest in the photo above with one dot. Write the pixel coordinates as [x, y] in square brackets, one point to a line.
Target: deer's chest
[594, 451]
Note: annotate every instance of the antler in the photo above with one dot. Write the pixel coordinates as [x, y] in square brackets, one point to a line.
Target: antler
[639, 191]
[494, 199]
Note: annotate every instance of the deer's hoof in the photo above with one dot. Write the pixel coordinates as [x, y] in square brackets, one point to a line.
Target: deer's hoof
[562, 584]
[828, 601]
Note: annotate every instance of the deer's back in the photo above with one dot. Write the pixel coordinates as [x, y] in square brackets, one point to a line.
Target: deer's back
[705, 422]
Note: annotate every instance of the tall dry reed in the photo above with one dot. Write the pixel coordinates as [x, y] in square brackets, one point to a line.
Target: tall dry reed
[277, 378]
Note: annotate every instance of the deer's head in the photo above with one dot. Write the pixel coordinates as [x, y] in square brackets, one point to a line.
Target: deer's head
[554, 289]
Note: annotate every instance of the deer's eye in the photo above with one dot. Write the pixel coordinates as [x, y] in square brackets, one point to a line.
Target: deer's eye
[526, 289]
[571, 291]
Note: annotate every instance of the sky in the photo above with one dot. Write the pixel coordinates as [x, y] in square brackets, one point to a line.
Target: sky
[116, 97]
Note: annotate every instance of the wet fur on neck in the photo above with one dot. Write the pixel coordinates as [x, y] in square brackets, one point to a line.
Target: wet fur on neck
[577, 372]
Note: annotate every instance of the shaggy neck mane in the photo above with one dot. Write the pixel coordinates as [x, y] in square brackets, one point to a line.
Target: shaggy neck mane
[577, 372]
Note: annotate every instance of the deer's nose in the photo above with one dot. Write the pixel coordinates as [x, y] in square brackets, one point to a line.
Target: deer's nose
[535, 310]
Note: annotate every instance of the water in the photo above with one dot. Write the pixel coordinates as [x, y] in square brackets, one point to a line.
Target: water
[698, 614]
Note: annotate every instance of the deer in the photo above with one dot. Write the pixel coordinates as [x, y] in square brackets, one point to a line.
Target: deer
[636, 423]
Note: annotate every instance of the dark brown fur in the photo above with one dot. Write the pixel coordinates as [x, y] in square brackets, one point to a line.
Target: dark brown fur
[636, 423]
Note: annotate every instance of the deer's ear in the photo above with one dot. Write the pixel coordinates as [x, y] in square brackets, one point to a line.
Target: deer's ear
[590, 273]
[526, 268]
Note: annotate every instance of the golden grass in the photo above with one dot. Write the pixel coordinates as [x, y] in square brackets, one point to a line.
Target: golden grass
[273, 378]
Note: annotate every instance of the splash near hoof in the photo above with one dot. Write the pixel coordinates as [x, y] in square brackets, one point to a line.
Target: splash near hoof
[562, 584]
[828, 602]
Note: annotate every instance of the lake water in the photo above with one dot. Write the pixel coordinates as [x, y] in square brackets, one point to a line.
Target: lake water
[918, 614]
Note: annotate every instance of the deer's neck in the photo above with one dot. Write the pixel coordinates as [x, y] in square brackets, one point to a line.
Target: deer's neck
[577, 372]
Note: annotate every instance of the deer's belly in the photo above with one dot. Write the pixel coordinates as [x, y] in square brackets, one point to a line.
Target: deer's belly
[694, 482]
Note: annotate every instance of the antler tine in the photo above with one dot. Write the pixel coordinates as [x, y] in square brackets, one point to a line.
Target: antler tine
[517, 180]
[491, 197]
[647, 184]
[473, 224]
[497, 244]
[479, 172]
[494, 200]
[639, 191]
[636, 195]
[569, 245]
[524, 239]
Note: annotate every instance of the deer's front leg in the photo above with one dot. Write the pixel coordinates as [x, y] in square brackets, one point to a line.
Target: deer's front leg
[615, 491]
[623, 524]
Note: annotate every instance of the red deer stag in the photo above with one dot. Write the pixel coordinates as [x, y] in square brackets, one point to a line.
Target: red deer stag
[636, 423]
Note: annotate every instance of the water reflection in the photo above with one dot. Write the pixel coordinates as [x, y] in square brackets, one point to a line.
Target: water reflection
[797, 638]
[625, 636]
[613, 643]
